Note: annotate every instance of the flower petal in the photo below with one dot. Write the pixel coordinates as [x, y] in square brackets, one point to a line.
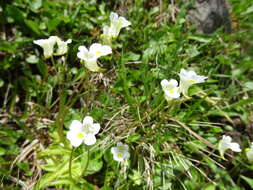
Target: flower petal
[125, 147]
[113, 150]
[92, 65]
[173, 82]
[226, 139]
[235, 147]
[164, 83]
[113, 17]
[124, 22]
[88, 120]
[100, 50]
[168, 85]
[76, 125]
[90, 139]
[80, 55]
[96, 128]
[82, 49]
[72, 137]
[119, 144]
[119, 159]
[126, 155]
[95, 46]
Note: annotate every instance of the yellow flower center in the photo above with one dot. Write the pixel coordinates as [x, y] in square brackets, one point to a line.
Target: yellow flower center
[171, 91]
[191, 81]
[120, 23]
[80, 135]
[98, 52]
[120, 155]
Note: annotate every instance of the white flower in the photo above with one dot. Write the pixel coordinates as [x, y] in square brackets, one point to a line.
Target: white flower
[49, 45]
[249, 153]
[90, 56]
[120, 152]
[117, 23]
[188, 78]
[171, 89]
[226, 143]
[83, 132]
[108, 33]
[62, 47]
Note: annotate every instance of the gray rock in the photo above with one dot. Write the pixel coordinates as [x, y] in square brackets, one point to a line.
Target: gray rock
[209, 15]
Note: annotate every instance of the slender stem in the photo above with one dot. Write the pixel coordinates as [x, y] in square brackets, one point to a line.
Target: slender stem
[53, 62]
[87, 163]
[83, 80]
[70, 162]
[60, 118]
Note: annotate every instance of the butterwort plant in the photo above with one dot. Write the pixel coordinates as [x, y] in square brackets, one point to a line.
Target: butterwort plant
[90, 56]
[120, 152]
[188, 78]
[83, 132]
[171, 89]
[226, 143]
[53, 46]
[116, 24]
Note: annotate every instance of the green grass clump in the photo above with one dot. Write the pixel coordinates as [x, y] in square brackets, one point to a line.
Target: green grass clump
[172, 146]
